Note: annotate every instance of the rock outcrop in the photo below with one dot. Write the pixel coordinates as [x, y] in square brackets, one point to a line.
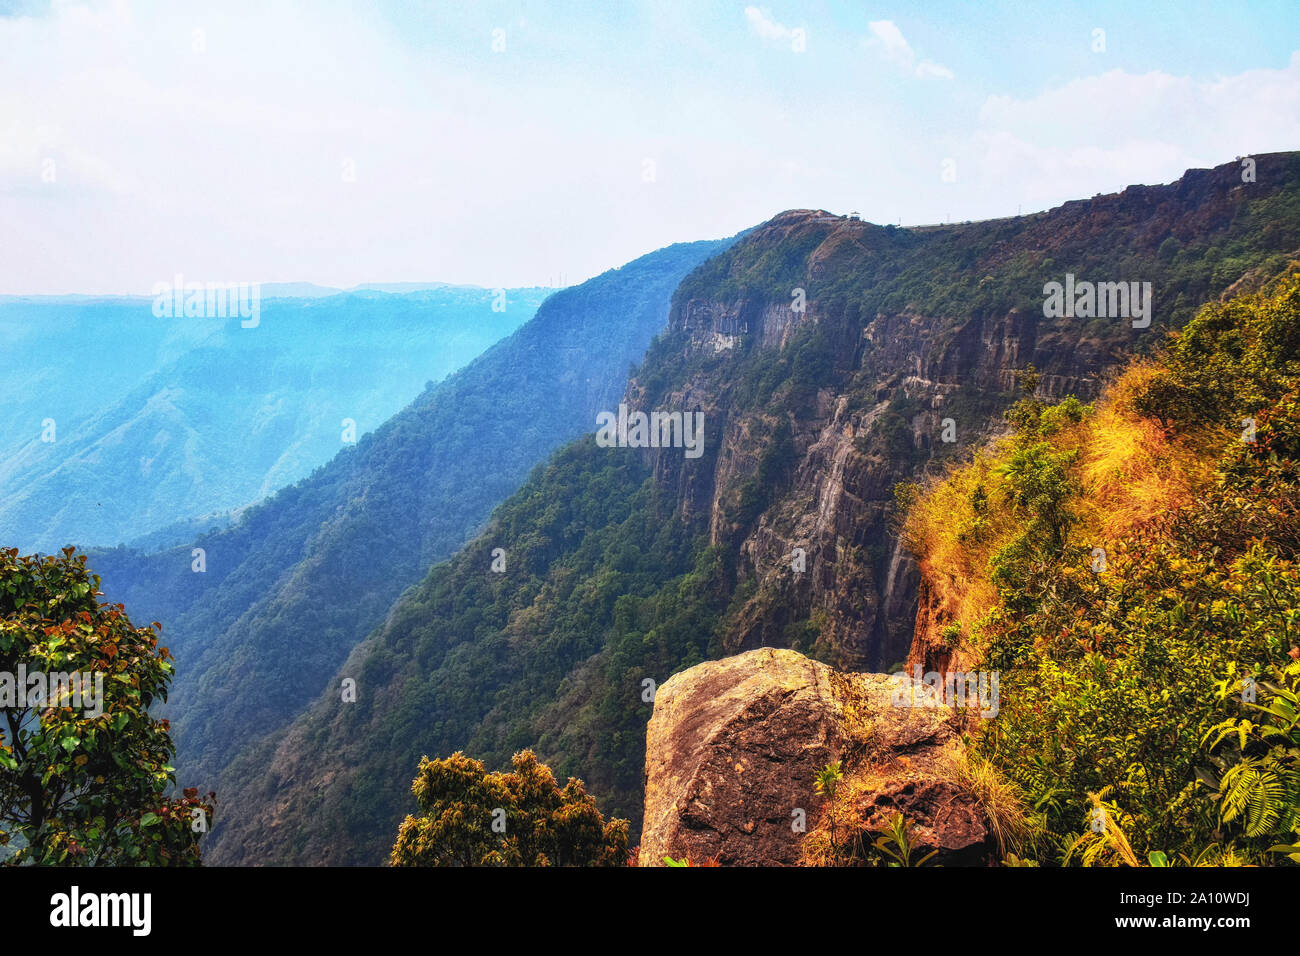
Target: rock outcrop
[734, 746]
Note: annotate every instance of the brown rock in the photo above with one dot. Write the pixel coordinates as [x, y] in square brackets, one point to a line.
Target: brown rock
[734, 746]
[944, 818]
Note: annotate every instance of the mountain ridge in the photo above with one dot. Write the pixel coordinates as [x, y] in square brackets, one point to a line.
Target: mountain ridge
[813, 416]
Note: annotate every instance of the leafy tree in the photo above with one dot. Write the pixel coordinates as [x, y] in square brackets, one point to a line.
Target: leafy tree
[84, 778]
[469, 817]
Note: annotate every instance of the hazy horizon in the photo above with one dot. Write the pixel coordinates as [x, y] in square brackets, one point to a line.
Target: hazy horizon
[504, 145]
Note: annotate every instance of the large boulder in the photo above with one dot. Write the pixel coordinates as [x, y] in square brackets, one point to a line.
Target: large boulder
[734, 746]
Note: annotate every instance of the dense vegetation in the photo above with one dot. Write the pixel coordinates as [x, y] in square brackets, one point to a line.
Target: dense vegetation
[598, 582]
[85, 775]
[470, 817]
[1131, 571]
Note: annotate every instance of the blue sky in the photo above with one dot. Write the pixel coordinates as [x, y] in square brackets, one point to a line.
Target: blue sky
[341, 143]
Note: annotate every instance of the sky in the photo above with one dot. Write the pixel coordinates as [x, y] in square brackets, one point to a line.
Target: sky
[518, 144]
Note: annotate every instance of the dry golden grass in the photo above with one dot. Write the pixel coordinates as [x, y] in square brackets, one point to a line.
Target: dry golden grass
[953, 550]
[1008, 818]
[1130, 470]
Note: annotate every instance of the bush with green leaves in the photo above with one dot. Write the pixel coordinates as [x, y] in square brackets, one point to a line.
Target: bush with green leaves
[470, 817]
[1124, 690]
[1259, 790]
[89, 784]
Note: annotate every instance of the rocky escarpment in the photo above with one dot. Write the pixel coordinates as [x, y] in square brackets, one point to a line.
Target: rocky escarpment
[921, 336]
[857, 583]
[903, 389]
[734, 746]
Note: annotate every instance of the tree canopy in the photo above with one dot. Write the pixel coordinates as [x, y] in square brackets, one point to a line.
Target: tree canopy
[85, 774]
[470, 817]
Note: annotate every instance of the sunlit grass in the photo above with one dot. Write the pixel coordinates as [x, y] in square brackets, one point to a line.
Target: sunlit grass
[1130, 470]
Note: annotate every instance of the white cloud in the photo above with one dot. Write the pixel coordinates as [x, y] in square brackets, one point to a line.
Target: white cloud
[886, 37]
[1100, 133]
[763, 24]
[1118, 105]
[930, 68]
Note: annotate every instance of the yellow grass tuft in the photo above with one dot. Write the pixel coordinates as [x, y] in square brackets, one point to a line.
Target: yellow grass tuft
[1008, 818]
[1130, 470]
[953, 544]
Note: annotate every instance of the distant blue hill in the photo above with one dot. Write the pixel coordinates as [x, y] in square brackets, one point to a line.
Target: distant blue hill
[163, 420]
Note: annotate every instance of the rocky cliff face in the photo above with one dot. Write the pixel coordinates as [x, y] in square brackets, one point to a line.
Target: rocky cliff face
[922, 354]
[860, 584]
[898, 379]
[734, 746]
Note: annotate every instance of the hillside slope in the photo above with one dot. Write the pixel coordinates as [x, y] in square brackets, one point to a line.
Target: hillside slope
[300, 579]
[628, 565]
